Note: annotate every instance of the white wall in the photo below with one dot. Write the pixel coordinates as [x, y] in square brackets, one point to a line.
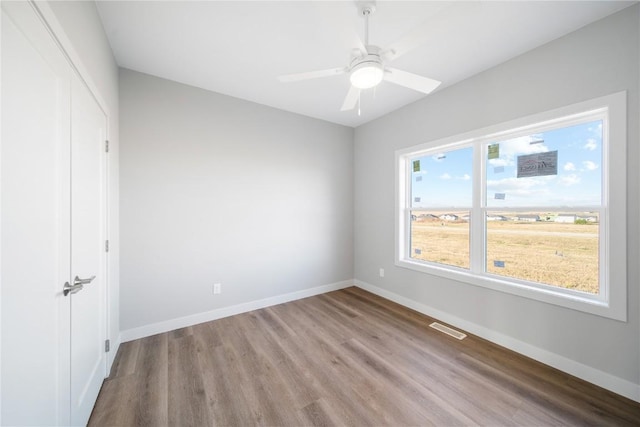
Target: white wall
[596, 60]
[217, 189]
[83, 30]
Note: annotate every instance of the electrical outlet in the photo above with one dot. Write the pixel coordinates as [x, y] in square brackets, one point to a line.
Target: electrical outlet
[382, 272]
[217, 288]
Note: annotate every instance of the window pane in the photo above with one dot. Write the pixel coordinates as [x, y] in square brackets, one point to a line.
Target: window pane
[443, 179]
[441, 237]
[560, 167]
[553, 248]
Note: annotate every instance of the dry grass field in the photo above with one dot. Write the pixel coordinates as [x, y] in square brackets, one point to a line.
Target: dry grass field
[559, 254]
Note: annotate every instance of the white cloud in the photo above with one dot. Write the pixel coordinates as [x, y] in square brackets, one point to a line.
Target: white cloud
[569, 166]
[597, 131]
[445, 176]
[521, 188]
[568, 180]
[590, 145]
[464, 177]
[542, 191]
[518, 147]
[589, 165]
[500, 162]
[510, 184]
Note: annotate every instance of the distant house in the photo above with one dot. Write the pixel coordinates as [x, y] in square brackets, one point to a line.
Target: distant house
[589, 218]
[496, 217]
[423, 217]
[566, 218]
[428, 216]
[449, 217]
[528, 218]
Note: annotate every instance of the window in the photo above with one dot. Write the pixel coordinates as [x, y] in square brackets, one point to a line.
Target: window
[531, 207]
[441, 198]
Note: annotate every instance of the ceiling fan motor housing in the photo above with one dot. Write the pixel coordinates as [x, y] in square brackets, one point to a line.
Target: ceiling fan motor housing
[367, 71]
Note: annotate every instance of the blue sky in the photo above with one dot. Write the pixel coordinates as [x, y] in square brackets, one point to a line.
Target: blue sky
[445, 180]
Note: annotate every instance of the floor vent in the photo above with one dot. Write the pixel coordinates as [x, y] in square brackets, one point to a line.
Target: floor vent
[447, 330]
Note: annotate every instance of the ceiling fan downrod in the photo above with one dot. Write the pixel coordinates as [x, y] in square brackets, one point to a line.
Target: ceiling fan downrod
[367, 9]
[366, 14]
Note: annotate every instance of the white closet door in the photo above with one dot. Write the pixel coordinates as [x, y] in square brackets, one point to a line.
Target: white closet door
[35, 218]
[52, 229]
[88, 330]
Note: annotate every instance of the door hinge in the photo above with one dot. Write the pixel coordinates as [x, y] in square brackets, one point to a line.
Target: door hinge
[106, 246]
[107, 346]
[106, 146]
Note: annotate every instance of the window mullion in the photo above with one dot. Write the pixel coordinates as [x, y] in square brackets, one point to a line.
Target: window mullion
[406, 208]
[476, 227]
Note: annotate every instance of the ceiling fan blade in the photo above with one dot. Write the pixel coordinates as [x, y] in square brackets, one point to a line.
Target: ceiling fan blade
[456, 15]
[351, 99]
[312, 75]
[410, 80]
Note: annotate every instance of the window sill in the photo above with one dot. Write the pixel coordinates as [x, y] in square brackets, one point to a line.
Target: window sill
[573, 300]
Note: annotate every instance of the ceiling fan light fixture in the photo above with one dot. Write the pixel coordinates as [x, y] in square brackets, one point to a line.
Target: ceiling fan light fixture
[366, 75]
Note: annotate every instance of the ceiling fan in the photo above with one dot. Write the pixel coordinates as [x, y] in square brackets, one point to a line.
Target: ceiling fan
[368, 68]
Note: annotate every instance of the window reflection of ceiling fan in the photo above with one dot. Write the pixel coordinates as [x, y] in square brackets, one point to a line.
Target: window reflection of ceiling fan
[368, 65]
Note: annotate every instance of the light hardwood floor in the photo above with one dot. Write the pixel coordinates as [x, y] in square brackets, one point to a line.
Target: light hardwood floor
[343, 358]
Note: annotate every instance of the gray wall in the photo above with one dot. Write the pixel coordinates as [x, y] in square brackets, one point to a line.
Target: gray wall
[83, 27]
[217, 189]
[596, 60]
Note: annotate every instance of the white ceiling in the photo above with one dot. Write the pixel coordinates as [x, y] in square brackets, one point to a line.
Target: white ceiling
[238, 48]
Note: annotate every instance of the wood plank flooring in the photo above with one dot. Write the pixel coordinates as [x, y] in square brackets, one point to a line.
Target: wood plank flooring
[343, 358]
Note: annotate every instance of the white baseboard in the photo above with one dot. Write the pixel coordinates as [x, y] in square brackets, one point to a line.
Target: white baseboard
[219, 313]
[615, 384]
[607, 381]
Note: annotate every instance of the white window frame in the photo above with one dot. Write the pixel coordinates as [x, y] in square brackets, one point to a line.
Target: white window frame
[611, 301]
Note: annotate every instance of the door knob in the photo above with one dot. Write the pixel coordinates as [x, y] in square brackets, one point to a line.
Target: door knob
[79, 281]
[71, 289]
